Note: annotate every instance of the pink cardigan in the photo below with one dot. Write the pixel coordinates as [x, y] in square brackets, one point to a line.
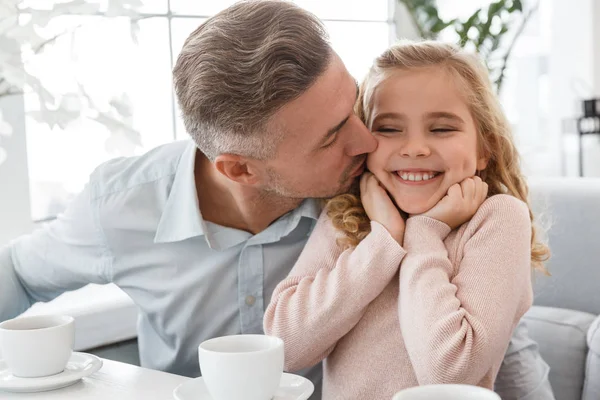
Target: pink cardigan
[441, 309]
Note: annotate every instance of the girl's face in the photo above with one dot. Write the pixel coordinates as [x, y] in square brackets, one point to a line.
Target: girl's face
[427, 140]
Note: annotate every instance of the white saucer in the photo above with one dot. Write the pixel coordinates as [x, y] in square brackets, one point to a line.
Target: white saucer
[79, 366]
[291, 387]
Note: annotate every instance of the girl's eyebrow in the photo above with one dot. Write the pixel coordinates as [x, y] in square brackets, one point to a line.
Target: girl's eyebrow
[446, 115]
[431, 115]
[389, 115]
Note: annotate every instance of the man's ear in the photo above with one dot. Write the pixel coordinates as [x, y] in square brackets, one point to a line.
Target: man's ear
[237, 168]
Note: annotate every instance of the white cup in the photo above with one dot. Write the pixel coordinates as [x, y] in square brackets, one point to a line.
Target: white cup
[446, 392]
[245, 367]
[37, 346]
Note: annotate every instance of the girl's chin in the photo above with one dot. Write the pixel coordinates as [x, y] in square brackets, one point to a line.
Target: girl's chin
[414, 211]
[413, 202]
[414, 208]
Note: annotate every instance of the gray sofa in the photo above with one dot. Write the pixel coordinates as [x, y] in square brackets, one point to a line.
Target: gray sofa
[565, 317]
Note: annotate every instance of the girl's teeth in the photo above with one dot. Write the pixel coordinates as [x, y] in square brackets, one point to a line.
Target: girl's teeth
[417, 177]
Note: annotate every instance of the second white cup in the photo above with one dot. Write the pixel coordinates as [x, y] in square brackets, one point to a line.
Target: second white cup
[446, 392]
[245, 367]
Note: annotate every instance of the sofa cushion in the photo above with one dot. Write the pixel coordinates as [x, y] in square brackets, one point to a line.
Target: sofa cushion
[591, 388]
[561, 335]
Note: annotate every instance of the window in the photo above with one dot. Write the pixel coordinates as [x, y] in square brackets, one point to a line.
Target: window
[550, 71]
[525, 78]
[102, 55]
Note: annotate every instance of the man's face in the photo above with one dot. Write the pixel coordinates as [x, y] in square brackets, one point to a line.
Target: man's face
[325, 143]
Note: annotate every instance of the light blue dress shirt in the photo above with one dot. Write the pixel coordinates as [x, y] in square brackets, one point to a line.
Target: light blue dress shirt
[137, 224]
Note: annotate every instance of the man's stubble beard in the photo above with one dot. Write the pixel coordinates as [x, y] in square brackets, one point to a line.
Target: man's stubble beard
[278, 188]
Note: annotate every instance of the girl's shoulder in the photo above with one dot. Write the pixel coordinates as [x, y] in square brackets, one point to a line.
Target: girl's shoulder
[502, 204]
[501, 210]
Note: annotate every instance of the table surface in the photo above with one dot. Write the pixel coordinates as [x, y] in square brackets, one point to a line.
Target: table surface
[114, 380]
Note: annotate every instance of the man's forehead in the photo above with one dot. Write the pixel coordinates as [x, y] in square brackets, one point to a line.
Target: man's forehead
[336, 88]
[326, 103]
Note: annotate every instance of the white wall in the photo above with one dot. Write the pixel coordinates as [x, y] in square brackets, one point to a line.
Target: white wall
[405, 27]
[596, 44]
[574, 73]
[15, 214]
[573, 69]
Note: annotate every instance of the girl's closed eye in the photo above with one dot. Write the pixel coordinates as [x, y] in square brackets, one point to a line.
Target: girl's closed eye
[387, 129]
[443, 129]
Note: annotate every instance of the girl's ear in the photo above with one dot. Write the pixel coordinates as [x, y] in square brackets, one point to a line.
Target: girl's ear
[482, 163]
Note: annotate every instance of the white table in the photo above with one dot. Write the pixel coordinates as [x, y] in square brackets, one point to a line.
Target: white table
[114, 380]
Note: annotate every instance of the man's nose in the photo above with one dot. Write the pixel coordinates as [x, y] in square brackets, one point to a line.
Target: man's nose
[361, 140]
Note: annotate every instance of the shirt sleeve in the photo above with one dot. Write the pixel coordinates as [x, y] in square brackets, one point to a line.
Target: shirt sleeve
[457, 323]
[328, 291]
[65, 254]
[523, 374]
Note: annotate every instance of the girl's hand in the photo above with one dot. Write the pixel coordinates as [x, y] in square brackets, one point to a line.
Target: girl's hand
[460, 203]
[380, 207]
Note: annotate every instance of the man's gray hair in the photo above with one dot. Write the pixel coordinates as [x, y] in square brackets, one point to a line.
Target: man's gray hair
[240, 67]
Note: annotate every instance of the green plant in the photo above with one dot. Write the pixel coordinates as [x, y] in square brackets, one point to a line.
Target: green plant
[487, 31]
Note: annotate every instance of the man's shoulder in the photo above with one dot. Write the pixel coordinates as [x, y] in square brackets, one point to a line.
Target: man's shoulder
[124, 173]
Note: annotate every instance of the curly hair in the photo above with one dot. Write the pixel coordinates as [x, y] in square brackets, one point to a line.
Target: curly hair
[502, 174]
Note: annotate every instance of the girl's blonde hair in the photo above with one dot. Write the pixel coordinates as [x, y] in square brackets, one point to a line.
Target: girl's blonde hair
[502, 174]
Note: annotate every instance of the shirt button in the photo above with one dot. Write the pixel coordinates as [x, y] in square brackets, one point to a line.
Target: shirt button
[250, 300]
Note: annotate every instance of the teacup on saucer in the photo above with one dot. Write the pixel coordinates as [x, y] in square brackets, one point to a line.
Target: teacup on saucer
[79, 366]
[245, 367]
[34, 347]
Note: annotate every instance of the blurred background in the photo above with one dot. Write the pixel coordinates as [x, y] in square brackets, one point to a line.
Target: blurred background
[82, 81]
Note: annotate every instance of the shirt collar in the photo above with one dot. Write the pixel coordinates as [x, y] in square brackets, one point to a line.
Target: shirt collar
[223, 238]
[309, 209]
[181, 218]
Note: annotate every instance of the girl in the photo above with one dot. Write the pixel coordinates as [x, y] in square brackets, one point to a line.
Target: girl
[424, 278]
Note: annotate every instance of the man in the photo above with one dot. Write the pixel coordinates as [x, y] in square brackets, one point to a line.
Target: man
[199, 233]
